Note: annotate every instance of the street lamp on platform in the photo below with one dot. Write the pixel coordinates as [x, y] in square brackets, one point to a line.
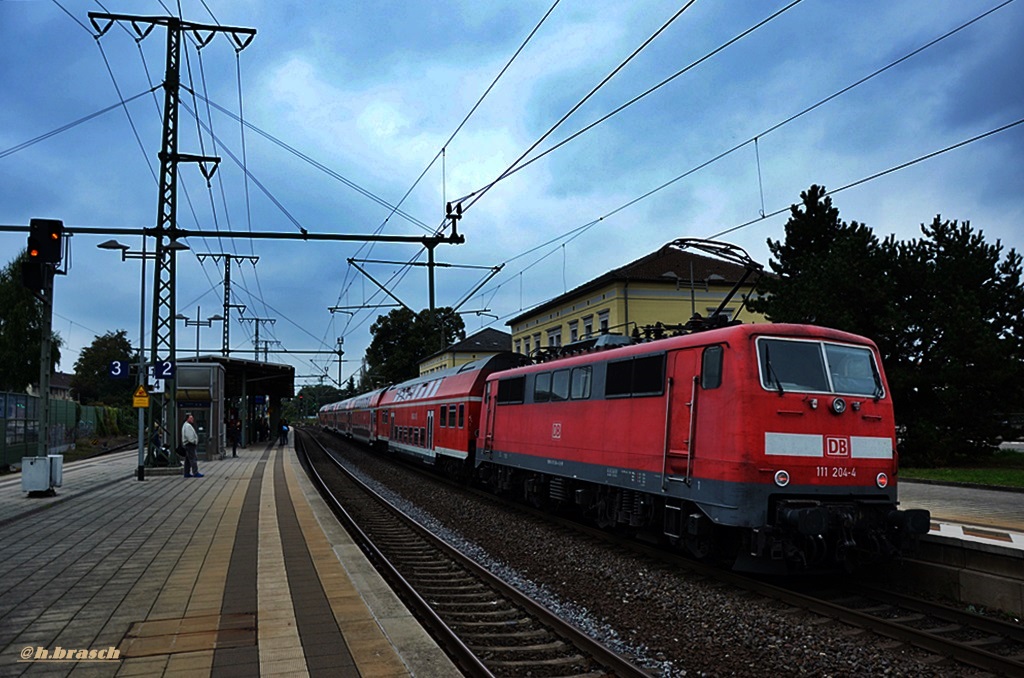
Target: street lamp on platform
[127, 253]
[197, 323]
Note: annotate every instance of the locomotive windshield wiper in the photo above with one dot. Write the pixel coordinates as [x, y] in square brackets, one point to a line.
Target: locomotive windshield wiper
[771, 370]
[878, 382]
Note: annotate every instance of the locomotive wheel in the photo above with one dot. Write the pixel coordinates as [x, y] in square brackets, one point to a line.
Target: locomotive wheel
[698, 546]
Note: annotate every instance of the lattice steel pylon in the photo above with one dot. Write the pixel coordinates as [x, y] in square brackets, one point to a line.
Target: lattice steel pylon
[166, 231]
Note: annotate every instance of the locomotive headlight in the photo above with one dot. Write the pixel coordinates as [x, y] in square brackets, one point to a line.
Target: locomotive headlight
[782, 478]
[838, 405]
[882, 480]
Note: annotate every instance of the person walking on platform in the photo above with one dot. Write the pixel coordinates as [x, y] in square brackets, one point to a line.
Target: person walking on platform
[282, 438]
[189, 439]
[235, 434]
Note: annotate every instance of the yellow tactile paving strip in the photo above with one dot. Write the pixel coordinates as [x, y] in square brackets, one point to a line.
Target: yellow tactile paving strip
[192, 595]
[371, 650]
[280, 648]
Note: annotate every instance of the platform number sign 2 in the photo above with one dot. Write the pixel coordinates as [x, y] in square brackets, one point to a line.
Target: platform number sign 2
[164, 369]
[118, 369]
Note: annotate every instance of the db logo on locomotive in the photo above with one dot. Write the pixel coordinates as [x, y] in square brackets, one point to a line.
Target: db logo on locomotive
[837, 446]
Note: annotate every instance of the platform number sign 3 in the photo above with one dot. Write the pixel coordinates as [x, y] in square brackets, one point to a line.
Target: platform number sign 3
[164, 369]
[118, 369]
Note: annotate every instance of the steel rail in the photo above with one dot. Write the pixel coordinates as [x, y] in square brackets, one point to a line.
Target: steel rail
[603, 655]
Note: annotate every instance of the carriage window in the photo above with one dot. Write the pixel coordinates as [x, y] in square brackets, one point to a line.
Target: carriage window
[542, 387]
[462, 415]
[711, 368]
[560, 385]
[581, 380]
[511, 390]
[443, 416]
[451, 416]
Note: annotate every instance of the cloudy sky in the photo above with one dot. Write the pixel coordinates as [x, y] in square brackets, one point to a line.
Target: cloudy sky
[347, 104]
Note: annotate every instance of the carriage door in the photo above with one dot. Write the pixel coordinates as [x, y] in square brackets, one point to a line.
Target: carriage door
[430, 429]
[489, 407]
[681, 403]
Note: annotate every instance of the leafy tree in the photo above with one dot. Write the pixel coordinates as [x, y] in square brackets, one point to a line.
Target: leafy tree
[21, 322]
[92, 382]
[401, 339]
[959, 368]
[823, 265]
[946, 311]
[350, 388]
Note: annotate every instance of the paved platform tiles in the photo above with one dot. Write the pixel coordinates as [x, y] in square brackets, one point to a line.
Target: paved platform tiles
[971, 514]
[244, 572]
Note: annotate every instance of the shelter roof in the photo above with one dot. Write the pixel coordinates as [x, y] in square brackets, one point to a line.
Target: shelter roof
[258, 378]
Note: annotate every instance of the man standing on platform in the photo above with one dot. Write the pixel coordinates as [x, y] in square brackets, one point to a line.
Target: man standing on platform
[190, 439]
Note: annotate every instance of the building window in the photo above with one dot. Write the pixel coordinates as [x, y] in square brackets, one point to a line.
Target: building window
[527, 344]
[574, 330]
[555, 337]
[727, 313]
[588, 326]
[602, 321]
[519, 346]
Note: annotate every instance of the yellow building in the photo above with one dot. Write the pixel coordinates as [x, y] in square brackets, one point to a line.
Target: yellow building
[484, 343]
[668, 286]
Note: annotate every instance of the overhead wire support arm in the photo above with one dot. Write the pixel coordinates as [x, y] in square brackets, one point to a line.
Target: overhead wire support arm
[225, 348]
[383, 289]
[352, 309]
[258, 235]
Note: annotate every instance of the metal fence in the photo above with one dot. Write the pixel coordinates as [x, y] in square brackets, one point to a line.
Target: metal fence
[19, 425]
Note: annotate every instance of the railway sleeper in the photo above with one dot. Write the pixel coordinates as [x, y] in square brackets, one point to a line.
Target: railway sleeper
[485, 605]
[560, 662]
[553, 646]
[526, 635]
[525, 622]
[478, 615]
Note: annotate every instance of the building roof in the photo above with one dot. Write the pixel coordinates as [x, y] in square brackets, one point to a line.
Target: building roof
[486, 340]
[61, 380]
[667, 265]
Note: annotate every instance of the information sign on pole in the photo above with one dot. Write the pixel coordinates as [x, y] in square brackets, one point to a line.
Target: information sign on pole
[119, 369]
[140, 398]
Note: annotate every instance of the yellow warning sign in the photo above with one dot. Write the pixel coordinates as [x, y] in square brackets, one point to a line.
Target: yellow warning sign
[140, 397]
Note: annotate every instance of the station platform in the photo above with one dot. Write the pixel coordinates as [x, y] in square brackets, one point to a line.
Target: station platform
[969, 513]
[244, 572]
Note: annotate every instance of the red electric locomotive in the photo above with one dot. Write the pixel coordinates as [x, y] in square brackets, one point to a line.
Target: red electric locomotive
[771, 445]
[764, 442]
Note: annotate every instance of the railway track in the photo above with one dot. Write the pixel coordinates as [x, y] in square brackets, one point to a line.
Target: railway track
[955, 635]
[983, 642]
[487, 626]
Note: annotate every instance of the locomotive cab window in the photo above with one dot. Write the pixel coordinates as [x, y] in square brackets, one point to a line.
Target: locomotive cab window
[791, 365]
[711, 368]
